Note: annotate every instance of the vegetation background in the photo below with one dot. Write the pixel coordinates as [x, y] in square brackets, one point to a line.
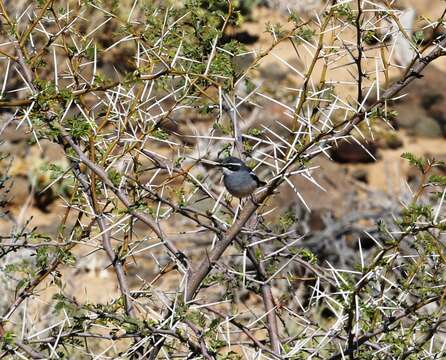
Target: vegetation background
[118, 239]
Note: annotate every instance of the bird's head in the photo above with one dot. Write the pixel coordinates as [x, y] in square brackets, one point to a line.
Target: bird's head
[232, 163]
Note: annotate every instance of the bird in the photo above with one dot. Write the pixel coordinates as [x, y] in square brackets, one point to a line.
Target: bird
[239, 179]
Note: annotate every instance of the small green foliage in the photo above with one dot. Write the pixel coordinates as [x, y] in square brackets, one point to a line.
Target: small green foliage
[131, 327]
[387, 115]
[287, 220]
[41, 128]
[39, 236]
[47, 88]
[275, 30]
[217, 344]
[21, 284]
[47, 96]
[418, 37]
[437, 180]
[255, 132]
[251, 163]
[63, 303]
[344, 11]
[159, 134]
[249, 85]
[179, 161]
[226, 130]
[370, 36]
[42, 256]
[415, 161]
[114, 176]
[196, 317]
[247, 147]
[24, 266]
[132, 77]
[78, 126]
[231, 355]
[7, 338]
[56, 170]
[295, 18]
[415, 212]
[114, 7]
[225, 151]
[235, 48]
[65, 95]
[206, 109]
[99, 79]
[272, 266]
[214, 324]
[214, 277]
[180, 193]
[304, 33]
[307, 255]
[65, 256]
[39, 63]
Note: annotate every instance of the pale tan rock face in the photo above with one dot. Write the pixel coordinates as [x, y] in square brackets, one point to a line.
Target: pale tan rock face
[299, 6]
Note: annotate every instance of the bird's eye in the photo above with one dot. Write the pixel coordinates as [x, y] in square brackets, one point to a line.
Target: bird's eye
[233, 167]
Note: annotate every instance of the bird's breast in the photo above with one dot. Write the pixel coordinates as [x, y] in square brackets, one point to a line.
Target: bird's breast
[240, 184]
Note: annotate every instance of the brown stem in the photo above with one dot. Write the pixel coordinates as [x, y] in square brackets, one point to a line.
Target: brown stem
[100, 172]
[384, 328]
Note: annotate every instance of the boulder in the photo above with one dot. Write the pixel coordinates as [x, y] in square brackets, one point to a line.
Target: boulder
[352, 152]
[427, 127]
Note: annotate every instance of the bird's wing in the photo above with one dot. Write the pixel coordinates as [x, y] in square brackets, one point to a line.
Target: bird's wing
[258, 181]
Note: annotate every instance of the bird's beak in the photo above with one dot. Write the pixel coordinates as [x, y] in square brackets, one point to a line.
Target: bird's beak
[211, 162]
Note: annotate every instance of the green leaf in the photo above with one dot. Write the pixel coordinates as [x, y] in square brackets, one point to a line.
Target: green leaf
[439, 180]
[415, 161]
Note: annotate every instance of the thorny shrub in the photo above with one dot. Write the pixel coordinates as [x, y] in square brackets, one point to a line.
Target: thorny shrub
[138, 95]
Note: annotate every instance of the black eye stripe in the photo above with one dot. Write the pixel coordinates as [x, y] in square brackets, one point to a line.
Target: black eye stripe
[233, 166]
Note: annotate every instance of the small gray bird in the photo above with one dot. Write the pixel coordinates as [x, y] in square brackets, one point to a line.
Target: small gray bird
[239, 180]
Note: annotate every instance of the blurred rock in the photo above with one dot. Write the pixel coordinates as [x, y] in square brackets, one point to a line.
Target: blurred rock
[332, 179]
[409, 115]
[427, 127]
[316, 221]
[19, 191]
[327, 313]
[352, 152]
[243, 37]
[366, 242]
[412, 174]
[423, 110]
[15, 136]
[429, 99]
[43, 199]
[361, 175]
[52, 151]
[274, 72]
[389, 140]
[242, 62]
[393, 141]
[438, 112]
[301, 6]
[427, 86]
